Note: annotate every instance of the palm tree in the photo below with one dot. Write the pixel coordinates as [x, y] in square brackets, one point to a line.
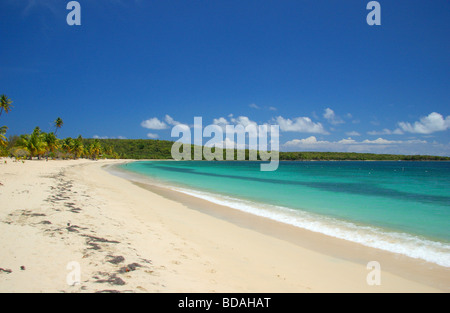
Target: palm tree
[58, 124]
[51, 141]
[5, 104]
[78, 147]
[33, 144]
[3, 140]
[94, 149]
[67, 145]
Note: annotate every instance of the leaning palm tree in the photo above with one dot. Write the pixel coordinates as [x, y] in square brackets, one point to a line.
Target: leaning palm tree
[5, 104]
[58, 124]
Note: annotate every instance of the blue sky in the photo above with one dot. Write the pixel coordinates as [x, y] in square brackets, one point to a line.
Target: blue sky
[135, 68]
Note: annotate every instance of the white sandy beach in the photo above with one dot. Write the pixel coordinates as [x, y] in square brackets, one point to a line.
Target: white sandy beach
[130, 239]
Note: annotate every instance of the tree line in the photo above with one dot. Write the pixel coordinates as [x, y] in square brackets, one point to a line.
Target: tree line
[40, 144]
[161, 149]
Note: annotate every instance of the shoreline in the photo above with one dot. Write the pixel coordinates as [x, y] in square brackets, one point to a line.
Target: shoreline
[415, 246]
[137, 160]
[415, 269]
[129, 239]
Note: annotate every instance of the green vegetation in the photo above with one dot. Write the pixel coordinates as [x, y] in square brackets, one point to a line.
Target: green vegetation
[161, 149]
[352, 156]
[39, 145]
[3, 140]
[58, 124]
[46, 145]
[5, 104]
[137, 148]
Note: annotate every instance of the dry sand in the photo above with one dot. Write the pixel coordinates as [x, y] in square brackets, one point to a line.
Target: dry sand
[128, 238]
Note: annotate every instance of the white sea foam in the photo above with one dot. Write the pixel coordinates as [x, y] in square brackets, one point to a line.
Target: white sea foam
[402, 243]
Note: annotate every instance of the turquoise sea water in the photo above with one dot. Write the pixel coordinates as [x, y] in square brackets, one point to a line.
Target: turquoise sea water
[403, 207]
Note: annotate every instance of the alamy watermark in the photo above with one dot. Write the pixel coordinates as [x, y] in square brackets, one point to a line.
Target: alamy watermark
[374, 16]
[223, 145]
[374, 276]
[73, 278]
[74, 16]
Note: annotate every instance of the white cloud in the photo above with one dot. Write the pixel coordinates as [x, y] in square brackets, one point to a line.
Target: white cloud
[257, 107]
[242, 125]
[380, 141]
[385, 132]
[169, 120]
[397, 132]
[331, 117]
[300, 124]
[434, 122]
[220, 121]
[379, 145]
[152, 136]
[347, 141]
[353, 133]
[300, 142]
[107, 137]
[312, 141]
[243, 120]
[154, 123]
